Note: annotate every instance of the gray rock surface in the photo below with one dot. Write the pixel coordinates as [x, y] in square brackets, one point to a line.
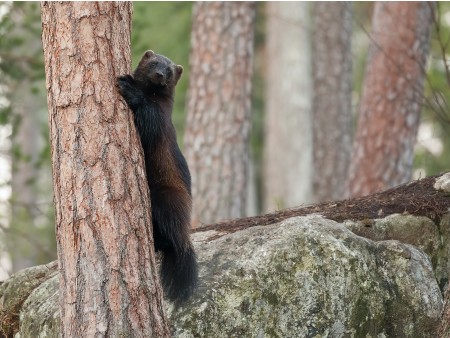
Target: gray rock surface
[304, 277]
[443, 183]
[310, 277]
[419, 231]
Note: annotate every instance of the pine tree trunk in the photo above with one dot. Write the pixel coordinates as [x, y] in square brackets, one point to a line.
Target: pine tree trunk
[219, 109]
[288, 127]
[389, 112]
[108, 285]
[332, 111]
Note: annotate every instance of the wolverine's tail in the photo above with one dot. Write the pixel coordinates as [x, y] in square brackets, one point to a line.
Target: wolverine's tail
[179, 275]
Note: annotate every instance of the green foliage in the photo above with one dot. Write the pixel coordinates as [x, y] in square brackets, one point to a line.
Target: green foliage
[18, 60]
[5, 113]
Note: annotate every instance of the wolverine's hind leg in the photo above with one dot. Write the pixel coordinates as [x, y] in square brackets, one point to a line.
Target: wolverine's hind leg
[171, 222]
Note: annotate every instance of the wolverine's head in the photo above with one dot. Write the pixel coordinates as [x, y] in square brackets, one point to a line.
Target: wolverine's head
[157, 71]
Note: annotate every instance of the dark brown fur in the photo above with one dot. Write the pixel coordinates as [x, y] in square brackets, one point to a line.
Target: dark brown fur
[149, 92]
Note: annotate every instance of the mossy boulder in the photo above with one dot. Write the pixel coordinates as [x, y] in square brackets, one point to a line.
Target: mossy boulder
[309, 277]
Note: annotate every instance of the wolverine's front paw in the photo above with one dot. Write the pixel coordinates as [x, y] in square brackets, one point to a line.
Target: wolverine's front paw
[125, 83]
[129, 91]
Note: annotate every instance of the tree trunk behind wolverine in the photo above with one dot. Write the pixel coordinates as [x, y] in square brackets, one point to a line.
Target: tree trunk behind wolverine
[288, 129]
[391, 101]
[219, 109]
[108, 285]
[332, 97]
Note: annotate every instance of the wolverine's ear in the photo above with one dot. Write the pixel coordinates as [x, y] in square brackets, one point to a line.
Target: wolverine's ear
[148, 54]
[178, 72]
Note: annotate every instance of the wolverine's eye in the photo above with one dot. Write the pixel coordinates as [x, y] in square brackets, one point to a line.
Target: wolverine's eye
[152, 64]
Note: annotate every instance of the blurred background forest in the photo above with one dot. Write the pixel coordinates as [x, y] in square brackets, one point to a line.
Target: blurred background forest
[266, 111]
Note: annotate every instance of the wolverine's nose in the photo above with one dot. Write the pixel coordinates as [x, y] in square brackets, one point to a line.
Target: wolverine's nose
[159, 75]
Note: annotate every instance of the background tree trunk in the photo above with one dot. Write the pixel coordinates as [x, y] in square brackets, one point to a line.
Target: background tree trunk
[390, 106]
[219, 109]
[332, 88]
[288, 127]
[108, 285]
[29, 236]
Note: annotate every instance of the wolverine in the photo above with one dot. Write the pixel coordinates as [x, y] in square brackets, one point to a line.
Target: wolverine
[149, 92]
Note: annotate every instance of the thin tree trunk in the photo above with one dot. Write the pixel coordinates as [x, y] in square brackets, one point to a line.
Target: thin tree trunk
[219, 109]
[332, 111]
[390, 106]
[288, 127]
[108, 285]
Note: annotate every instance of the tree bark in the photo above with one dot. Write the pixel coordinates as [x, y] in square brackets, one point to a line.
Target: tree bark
[288, 127]
[332, 88]
[390, 106]
[108, 285]
[219, 108]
